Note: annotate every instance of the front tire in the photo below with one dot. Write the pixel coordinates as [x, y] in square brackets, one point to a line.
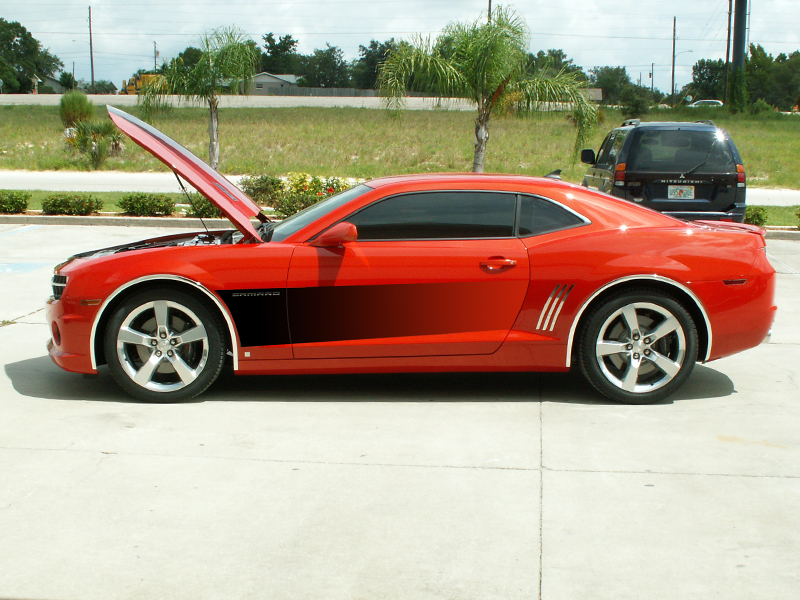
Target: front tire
[638, 347]
[164, 345]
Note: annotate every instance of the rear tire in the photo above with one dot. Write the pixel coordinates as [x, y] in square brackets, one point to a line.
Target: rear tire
[164, 345]
[638, 347]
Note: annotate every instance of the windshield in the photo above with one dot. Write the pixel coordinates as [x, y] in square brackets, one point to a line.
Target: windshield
[296, 222]
[679, 151]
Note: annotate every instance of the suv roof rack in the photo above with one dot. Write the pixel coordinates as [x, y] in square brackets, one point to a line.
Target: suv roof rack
[707, 122]
[633, 122]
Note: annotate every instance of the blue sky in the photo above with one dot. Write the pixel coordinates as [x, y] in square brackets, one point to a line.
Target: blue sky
[630, 33]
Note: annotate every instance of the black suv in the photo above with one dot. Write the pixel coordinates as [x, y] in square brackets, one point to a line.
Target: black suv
[687, 170]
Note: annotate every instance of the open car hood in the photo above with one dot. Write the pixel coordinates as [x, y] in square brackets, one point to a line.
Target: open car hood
[233, 203]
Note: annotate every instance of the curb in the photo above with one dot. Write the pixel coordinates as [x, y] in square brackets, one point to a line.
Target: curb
[783, 234]
[183, 222]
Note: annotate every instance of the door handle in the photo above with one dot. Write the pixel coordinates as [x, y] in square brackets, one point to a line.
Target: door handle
[498, 264]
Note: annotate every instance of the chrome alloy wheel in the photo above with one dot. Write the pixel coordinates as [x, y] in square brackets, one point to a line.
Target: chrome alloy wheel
[162, 346]
[641, 347]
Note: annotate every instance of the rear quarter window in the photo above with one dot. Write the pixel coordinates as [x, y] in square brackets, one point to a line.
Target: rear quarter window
[538, 216]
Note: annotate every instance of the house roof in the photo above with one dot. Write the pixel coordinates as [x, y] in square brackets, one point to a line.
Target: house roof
[290, 79]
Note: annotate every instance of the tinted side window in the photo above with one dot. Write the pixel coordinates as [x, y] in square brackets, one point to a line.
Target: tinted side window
[605, 149]
[538, 216]
[438, 215]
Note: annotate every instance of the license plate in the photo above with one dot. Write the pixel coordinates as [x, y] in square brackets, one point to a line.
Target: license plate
[680, 192]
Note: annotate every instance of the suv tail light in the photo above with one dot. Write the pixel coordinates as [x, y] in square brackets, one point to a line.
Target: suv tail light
[619, 174]
[740, 176]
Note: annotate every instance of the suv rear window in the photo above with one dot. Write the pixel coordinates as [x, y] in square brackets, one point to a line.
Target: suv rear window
[680, 150]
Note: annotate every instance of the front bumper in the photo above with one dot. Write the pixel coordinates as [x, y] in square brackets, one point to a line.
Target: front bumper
[71, 328]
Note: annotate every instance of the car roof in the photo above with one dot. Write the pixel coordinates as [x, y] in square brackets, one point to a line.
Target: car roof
[459, 178]
[696, 125]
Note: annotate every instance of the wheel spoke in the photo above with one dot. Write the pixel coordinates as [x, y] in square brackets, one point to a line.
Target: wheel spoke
[667, 327]
[160, 308]
[629, 314]
[183, 370]
[195, 334]
[606, 348]
[131, 336]
[665, 364]
[145, 374]
[632, 376]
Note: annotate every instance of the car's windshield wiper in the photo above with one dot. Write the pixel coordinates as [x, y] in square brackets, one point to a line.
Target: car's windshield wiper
[705, 160]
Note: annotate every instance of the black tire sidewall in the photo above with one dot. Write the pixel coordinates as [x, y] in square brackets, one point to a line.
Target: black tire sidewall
[591, 332]
[216, 345]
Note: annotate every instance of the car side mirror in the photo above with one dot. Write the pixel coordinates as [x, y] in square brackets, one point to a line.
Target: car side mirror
[336, 236]
[588, 156]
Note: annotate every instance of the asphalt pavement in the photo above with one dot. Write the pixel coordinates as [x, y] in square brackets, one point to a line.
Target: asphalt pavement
[118, 181]
[477, 486]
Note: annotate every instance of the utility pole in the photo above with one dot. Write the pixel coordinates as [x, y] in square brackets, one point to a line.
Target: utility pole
[73, 75]
[155, 56]
[653, 81]
[738, 86]
[91, 47]
[727, 54]
[672, 89]
[490, 11]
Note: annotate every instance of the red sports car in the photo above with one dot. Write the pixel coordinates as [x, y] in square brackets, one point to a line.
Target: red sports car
[450, 272]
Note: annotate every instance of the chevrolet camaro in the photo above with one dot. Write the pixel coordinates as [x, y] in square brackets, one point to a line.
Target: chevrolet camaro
[446, 272]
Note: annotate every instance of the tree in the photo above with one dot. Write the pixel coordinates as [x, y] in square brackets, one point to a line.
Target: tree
[227, 63]
[708, 79]
[365, 69]
[552, 62]
[325, 68]
[101, 86]
[22, 57]
[612, 80]
[482, 61]
[66, 80]
[190, 57]
[281, 56]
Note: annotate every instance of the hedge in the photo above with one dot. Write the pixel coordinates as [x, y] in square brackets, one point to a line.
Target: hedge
[14, 202]
[71, 204]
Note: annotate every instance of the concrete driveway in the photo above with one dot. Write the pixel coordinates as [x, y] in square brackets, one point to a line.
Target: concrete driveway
[411, 486]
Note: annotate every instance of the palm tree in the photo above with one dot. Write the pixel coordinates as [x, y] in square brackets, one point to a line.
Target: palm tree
[483, 61]
[228, 62]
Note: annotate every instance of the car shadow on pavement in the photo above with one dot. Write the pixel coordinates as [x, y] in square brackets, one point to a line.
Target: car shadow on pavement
[40, 378]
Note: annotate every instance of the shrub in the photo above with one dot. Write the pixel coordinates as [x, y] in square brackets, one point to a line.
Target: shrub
[301, 190]
[756, 215]
[147, 205]
[75, 107]
[262, 189]
[14, 202]
[797, 214]
[202, 208]
[760, 106]
[634, 101]
[71, 204]
[97, 139]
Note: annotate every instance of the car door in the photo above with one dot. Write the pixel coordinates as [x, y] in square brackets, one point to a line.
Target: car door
[432, 273]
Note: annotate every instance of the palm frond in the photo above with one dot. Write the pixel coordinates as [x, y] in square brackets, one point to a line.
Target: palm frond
[563, 89]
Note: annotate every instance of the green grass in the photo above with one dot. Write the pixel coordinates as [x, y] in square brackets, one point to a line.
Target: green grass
[782, 215]
[352, 142]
